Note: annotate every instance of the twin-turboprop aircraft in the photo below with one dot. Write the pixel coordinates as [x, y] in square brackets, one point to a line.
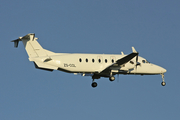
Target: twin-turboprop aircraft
[94, 65]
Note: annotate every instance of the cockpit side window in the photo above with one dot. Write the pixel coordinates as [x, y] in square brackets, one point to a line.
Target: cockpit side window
[145, 61]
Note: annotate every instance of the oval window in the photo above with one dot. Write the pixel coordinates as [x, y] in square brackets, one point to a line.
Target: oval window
[143, 61]
[93, 60]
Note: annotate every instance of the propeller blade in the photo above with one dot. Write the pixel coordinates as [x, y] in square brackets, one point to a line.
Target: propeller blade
[137, 58]
[137, 63]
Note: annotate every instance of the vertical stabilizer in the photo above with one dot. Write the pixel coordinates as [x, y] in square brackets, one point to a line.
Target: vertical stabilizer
[32, 47]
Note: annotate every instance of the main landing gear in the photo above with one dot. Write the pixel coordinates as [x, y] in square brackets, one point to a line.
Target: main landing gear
[163, 83]
[111, 78]
[94, 84]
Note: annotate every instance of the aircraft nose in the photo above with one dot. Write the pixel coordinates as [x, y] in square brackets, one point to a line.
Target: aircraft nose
[160, 69]
[163, 70]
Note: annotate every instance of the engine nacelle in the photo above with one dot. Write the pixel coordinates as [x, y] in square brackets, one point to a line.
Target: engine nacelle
[128, 66]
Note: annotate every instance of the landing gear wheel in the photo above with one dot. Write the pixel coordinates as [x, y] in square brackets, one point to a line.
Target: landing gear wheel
[111, 78]
[94, 84]
[163, 83]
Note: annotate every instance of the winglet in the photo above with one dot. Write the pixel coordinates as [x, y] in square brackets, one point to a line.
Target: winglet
[133, 49]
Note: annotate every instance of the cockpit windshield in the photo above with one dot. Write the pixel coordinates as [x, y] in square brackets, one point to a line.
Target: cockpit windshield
[145, 61]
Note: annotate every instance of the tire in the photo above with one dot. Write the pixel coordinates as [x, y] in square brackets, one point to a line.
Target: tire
[94, 84]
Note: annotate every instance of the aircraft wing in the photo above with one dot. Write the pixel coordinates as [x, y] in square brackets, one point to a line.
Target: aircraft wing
[120, 62]
[126, 59]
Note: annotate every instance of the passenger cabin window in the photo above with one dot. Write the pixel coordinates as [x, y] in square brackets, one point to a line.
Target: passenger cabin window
[105, 60]
[86, 60]
[112, 60]
[80, 60]
[93, 60]
[99, 60]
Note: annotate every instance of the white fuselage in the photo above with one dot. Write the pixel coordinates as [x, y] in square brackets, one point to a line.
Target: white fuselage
[95, 65]
[91, 63]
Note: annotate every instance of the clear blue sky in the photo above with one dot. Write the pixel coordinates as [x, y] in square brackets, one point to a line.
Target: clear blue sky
[90, 26]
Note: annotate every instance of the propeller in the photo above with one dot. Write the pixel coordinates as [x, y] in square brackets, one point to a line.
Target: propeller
[134, 51]
[137, 63]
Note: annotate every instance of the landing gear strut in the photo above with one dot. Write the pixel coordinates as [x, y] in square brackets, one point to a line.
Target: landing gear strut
[163, 83]
[94, 84]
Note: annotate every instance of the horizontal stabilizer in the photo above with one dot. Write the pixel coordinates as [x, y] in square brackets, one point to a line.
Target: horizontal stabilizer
[16, 42]
[26, 37]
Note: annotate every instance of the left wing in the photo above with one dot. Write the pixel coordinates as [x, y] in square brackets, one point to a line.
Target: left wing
[121, 61]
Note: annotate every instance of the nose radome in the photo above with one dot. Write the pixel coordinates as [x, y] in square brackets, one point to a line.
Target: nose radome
[163, 70]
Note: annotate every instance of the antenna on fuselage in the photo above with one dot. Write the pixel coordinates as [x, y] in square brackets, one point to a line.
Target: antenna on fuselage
[122, 53]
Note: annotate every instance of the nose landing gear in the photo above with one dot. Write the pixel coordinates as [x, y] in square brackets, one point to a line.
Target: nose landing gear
[163, 83]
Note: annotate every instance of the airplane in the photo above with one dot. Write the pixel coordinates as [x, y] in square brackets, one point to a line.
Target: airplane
[94, 65]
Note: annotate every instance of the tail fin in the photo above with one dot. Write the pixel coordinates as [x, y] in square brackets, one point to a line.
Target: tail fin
[33, 48]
